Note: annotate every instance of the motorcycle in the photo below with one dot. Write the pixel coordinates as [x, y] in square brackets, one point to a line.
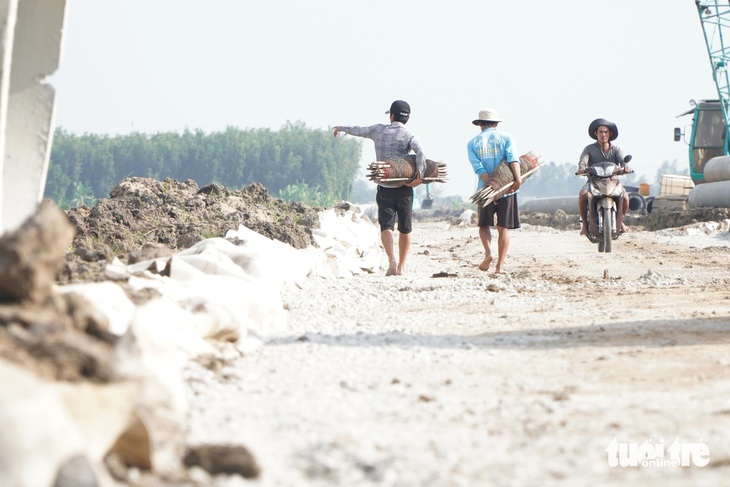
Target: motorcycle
[604, 189]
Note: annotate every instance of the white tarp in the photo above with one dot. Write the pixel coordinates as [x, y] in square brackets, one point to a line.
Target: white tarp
[217, 290]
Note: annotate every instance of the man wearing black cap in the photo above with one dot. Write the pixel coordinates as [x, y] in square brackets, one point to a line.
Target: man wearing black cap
[394, 141]
[603, 132]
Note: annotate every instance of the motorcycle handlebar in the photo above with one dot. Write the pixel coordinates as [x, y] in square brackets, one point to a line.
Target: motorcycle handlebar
[620, 171]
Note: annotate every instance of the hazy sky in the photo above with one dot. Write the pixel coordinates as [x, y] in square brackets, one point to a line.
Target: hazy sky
[548, 67]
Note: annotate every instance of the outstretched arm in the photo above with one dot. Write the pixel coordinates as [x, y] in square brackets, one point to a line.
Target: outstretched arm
[357, 131]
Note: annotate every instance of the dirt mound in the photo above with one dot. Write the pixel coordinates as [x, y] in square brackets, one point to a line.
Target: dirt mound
[660, 219]
[145, 218]
[656, 220]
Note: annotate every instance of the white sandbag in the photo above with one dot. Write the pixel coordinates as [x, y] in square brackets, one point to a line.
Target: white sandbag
[156, 266]
[228, 307]
[351, 228]
[37, 432]
[467, 217]
[102, 412]
[226, 302]
[352, 238]
[109, 299]
[222, 307]
[220, 256]
[276, 261]
[161, 341]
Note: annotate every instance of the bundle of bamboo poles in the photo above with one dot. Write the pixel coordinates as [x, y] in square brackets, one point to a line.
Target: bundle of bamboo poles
[396, 172]
[502, 178]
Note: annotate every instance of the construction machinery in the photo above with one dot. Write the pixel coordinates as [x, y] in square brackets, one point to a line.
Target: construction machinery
[709, 161]
[427, 203]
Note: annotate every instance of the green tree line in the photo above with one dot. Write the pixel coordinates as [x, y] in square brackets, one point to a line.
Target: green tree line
[295, 161]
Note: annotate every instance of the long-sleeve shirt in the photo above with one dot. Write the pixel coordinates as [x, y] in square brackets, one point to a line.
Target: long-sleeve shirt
[488, 149]
[593, 154]
[391, 142]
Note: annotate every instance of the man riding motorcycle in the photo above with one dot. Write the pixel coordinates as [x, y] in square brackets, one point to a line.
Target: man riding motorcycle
[603, 132]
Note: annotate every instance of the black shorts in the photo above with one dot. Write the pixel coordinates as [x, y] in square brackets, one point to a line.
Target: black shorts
[395, 203]
[508, 213]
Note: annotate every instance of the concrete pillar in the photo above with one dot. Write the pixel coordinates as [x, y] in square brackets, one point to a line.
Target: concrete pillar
[8, 16]
[31, 49]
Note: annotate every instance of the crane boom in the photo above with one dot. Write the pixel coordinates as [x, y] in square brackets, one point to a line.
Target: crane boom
[715, 20]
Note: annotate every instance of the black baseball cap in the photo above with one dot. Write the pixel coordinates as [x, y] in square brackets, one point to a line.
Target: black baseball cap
[399, 107]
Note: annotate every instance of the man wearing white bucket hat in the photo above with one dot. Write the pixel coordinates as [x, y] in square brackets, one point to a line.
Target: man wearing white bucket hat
[486, 151]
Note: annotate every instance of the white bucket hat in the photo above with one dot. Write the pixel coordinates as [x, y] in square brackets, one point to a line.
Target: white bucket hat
[487, 115]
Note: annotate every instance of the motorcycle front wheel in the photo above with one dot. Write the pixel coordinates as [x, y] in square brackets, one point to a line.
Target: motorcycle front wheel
[607, 237]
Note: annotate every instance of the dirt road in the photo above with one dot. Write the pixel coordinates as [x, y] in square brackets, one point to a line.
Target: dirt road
[536, 377]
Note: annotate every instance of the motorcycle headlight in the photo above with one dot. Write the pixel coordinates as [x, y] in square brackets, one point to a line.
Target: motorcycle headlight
[604, 172]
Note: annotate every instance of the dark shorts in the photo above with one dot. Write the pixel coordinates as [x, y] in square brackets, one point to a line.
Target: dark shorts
[508, 214]
[395, 203]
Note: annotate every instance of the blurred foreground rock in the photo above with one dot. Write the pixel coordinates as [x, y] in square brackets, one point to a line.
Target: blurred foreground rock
[84, 402]
[92, 349]
[32, 256]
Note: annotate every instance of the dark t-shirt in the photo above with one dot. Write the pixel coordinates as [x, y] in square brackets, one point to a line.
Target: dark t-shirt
[593, 154]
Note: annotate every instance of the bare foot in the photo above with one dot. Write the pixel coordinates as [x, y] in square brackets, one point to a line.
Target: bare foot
[485, 263]
[499, 269]
[400, 271]
[583, 230]
[392, 269]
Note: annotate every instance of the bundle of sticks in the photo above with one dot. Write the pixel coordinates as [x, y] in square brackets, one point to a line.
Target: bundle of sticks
[396, 172]
[502, 178]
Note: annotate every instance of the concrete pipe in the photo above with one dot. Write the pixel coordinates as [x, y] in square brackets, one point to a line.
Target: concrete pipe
[710, 195]
[569, 204]
[637, 203]
[649, 203]
[717, 169]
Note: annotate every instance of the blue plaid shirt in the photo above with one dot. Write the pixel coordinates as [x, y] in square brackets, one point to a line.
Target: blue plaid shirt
[391, 142]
